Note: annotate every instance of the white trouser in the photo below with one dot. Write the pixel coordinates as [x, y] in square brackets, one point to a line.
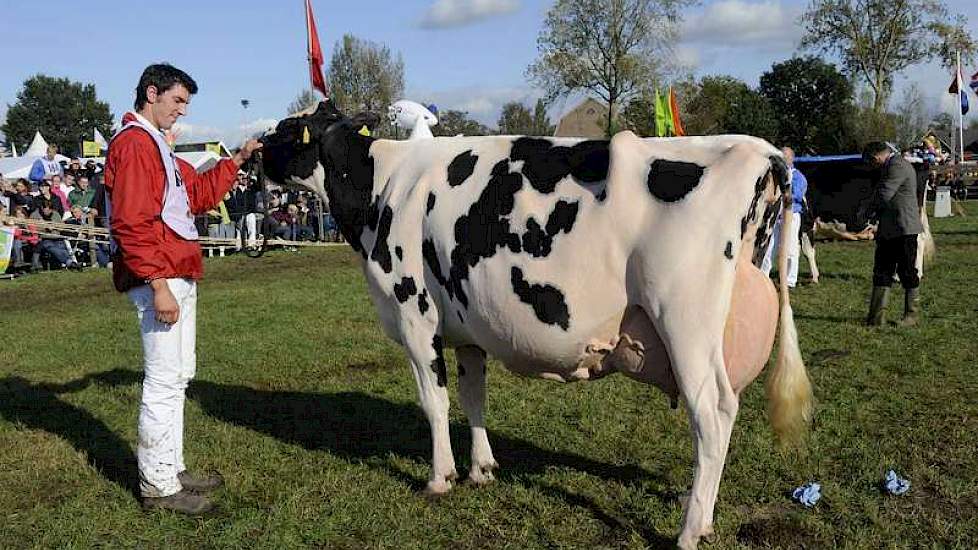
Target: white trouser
[169, 362]
[793, 249]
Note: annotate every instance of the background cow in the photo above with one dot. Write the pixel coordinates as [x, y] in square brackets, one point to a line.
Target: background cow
[567, 259]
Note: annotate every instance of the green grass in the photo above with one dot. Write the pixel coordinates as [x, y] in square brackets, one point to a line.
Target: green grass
[311, 414]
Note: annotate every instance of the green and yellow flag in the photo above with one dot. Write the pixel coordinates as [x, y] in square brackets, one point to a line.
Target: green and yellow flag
[664, 125]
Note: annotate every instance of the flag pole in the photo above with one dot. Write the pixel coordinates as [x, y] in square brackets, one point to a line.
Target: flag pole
[960, 112]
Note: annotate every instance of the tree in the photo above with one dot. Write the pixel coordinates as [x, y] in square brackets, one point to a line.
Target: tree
[365, 76]
[876, 39]
[611, 48]
[812, 102]
[65, 112]
[515, 119]
[725, 105]
[453, 123]
[639, 115]
[305, 99]
[541, 121]
[910, 118]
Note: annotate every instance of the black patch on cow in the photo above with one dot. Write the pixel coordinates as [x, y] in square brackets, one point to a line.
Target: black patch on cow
[545, 164]
[764, 229]
[602, 195]
[461, 369]
[728, 252]
[461, 168]
[743, 226]
[399, 252]
[547, 301]
[405, 289]
[538, 241]
[535, 240]
[485, 228]
[423, 301]
[382, 253]
[431, 204]
[779, 169]
[671, 180]
[430, 256]
[460, 318]
[373, 214]
[438, 364]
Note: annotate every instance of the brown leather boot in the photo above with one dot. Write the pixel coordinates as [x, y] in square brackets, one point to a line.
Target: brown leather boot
[184, 502]
[877, 305]
[203, 484]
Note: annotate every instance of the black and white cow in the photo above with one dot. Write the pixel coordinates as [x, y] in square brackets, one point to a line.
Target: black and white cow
[567, 259]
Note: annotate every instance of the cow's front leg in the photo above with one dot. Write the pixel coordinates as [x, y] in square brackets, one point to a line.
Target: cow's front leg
[428, 365]
[472, 394]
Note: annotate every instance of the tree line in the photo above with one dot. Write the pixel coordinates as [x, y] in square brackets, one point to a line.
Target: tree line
[621, 51]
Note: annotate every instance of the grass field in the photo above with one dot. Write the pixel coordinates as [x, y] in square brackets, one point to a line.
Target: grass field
[311, 414]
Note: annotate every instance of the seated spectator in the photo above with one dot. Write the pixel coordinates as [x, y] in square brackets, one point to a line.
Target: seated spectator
[61, 190]
[82, 195]
[288, 226]
[25, 242]
[6, 191]
[22, 196]
[75, 169]
[83, 247]
[53, 247]
[47, 195]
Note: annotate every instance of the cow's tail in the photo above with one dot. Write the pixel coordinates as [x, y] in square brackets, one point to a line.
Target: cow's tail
[789, 392]
[930, 248]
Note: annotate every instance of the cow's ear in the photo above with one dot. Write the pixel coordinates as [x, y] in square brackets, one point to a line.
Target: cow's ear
[370, 120]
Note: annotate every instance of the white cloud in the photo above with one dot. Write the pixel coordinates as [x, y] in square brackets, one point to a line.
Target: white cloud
[456, 13]
[483, 104]
[763, 25]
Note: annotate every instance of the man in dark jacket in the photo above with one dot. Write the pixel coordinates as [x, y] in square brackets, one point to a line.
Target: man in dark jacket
[896, 235]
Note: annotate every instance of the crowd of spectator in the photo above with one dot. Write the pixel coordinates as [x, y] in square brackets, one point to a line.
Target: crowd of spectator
[71, 193]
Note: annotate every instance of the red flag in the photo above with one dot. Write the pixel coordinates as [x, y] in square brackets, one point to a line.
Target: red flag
[674, 107]
[315, 53]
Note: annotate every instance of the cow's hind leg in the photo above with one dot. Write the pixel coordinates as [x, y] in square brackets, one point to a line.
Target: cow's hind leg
[428, 364]
[694, 340]
[472, 394]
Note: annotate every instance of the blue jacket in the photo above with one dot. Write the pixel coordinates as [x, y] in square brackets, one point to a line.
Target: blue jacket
[799, 186]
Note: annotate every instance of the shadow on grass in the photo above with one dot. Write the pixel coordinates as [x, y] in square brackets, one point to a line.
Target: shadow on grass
[38, 407]
[351, 425]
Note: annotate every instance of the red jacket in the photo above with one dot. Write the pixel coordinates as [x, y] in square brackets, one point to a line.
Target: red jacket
[135, 180]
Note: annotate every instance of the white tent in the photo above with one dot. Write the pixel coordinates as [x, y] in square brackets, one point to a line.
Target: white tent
[38, 148]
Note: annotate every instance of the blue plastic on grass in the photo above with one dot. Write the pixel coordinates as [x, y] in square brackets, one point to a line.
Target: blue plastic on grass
[896, 485]
[808, 494]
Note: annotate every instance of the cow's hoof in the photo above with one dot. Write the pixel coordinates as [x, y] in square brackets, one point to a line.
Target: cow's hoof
[482, 474]
[710, 537]
[436, 489]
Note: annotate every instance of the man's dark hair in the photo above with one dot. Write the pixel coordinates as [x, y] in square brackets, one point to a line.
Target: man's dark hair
[874, 148]
[164, 76]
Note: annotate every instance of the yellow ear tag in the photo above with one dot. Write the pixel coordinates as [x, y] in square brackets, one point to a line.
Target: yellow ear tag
[364, 131]
[305, 135]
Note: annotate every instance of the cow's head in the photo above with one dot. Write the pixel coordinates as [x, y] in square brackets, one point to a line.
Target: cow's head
[324, 151]
[307, 148]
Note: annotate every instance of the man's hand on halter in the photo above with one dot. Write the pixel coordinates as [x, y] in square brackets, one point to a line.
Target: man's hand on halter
[246, 150]
[165, 305]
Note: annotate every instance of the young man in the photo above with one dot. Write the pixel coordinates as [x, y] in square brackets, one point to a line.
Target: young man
[896, 236]
[152, 199]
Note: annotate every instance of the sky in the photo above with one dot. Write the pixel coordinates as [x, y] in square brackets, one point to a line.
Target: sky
[468, 55]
